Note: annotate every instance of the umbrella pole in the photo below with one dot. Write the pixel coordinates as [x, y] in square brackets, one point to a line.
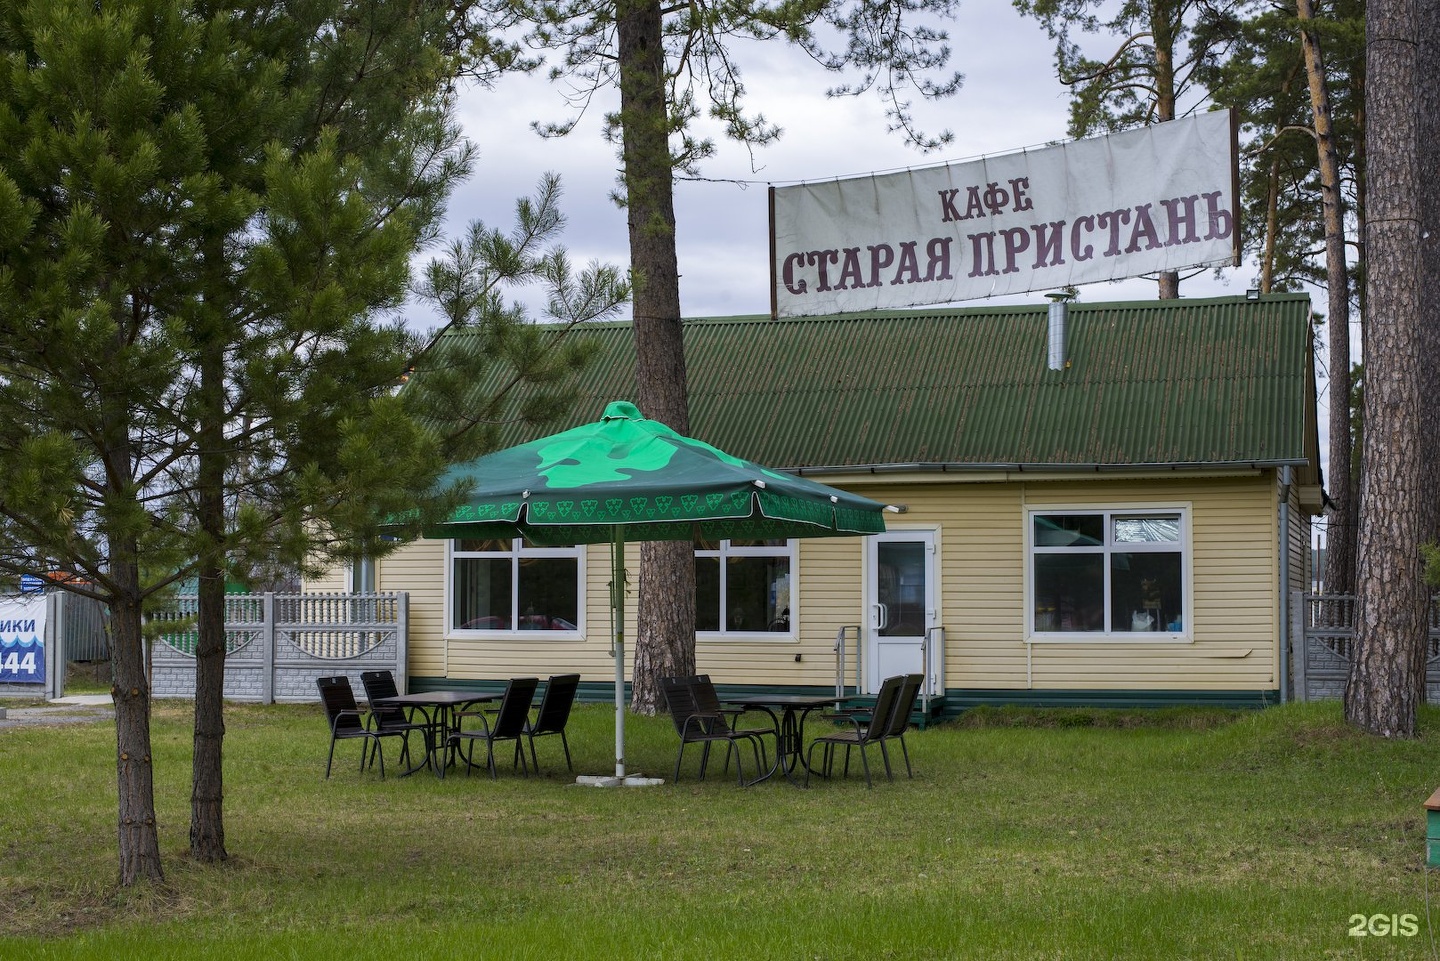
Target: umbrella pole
[617, 604]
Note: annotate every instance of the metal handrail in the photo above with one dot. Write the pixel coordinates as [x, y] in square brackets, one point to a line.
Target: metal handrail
[925, 663]
[840, 660]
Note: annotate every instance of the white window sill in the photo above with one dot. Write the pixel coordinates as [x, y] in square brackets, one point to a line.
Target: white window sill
[515, 635]
[754, 637]
[1117, 637]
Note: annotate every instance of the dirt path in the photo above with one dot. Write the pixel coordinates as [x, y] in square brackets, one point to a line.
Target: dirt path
[82, 709]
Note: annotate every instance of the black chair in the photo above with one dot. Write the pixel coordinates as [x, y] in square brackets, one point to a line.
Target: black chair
[707, 701]
[705, 727]
[553, 714]
[397, 721]
[346, 721]
[884, 717]
[508, 724]
[900, 720]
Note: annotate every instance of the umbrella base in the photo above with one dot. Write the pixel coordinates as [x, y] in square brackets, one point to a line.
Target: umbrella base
[610, 780]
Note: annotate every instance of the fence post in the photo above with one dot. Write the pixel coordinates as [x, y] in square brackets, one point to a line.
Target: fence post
[267, 647]
[54, 644]
[1297, 635]
[402, 642]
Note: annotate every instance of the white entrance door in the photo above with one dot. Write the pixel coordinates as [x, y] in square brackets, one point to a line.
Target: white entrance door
[900, 609]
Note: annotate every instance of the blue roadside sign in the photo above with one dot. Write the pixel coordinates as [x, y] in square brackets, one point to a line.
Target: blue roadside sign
[22, 640]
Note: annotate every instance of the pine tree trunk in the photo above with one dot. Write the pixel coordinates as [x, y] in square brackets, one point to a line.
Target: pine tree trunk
[1272, 228]
[1340, 551]
[208, 770]
[1164, 19]
[139, 841]
[207, 820]
[138, 834]
[665, 632]
[659, 659]
[1428, 107]
[207, 815]
[1387, 671]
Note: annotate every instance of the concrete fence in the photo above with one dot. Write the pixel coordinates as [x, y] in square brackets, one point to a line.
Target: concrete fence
[276, 645]
[1322, 633]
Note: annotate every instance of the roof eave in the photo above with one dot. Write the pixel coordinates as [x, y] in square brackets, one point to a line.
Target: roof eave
[1016, 467]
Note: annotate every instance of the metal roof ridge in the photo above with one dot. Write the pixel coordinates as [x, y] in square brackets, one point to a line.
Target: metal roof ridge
[952, 310]
[960, 466]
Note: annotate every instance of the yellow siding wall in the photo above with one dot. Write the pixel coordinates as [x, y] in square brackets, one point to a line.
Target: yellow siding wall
[1234, 607]
[420, 569]
[1233, 614]
[826, 596]
[1299, 540]
[334, 582]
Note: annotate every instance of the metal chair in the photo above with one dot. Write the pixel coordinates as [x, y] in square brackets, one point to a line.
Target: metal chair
[346, 720]
[553, 714]
[396, 721]
[900, 721]
[697, 726]
[888, 719]
[707, 701]
[508, 724]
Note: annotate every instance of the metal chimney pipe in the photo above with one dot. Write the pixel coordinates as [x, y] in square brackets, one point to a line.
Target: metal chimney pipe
[1056, 317]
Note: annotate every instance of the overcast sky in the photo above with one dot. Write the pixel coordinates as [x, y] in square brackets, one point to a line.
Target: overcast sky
[1010, 100]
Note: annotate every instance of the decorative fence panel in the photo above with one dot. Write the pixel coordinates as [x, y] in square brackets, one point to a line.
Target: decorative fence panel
[276, 645]
[1323, 634]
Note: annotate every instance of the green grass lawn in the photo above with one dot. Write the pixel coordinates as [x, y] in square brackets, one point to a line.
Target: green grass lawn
[1174, 834]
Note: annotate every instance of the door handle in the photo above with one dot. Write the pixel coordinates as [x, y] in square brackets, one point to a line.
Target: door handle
[880, 617]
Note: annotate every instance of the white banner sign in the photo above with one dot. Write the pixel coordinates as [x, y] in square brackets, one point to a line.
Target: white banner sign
[1158, 198]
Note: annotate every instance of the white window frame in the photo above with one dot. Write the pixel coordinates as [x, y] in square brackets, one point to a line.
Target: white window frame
[790, 551]
[1109, 512]
[519, 550]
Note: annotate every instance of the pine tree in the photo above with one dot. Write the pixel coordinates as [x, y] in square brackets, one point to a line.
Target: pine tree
[670, 64]
[207, 216]
[1295, 78]
[1330, 154]
[1148, 76]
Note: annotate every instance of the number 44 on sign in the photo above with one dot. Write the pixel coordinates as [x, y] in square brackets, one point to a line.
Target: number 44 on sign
[22, 661]
[14, 663]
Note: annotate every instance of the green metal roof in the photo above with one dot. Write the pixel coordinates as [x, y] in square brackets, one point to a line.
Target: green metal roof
[1221, 381]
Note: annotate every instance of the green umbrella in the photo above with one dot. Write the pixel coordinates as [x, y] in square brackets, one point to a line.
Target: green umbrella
[625, 478]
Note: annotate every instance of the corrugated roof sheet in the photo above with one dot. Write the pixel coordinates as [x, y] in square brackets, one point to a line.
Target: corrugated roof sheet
[1192, 382]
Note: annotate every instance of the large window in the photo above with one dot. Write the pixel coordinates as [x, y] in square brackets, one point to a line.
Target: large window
[504, 585]
[1108, 572]
[743, 587]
